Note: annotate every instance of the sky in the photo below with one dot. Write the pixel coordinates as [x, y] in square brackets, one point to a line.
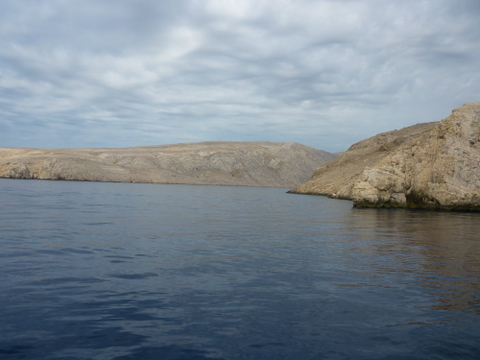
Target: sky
[324, 73]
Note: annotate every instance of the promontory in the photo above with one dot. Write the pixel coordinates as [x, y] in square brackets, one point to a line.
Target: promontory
[427, 166]
[215, 163]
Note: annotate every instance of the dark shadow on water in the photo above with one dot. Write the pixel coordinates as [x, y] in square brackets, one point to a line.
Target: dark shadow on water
[172, 352]
[134, 276]
[82, 338]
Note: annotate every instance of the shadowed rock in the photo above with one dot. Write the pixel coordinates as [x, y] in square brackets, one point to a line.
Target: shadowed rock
[215, 163]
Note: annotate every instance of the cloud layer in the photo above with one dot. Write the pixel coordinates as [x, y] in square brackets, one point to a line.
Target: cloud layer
[141, 72]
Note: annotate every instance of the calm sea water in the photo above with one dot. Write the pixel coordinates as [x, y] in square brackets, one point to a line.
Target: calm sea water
[147, 271]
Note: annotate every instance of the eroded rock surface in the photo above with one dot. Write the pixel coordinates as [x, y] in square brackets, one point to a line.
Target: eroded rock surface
[337, 178]
[429, 166]
[216, 163]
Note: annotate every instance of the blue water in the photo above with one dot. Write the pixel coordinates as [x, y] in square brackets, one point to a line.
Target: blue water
[148, 271]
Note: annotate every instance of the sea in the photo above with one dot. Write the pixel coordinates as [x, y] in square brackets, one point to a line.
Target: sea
[120, 271]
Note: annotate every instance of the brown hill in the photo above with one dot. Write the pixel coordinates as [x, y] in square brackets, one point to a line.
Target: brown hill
[216, 163]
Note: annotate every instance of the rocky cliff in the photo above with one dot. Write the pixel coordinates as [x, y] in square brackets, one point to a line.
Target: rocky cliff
[337, 178]
[429, 166]
[216, 163]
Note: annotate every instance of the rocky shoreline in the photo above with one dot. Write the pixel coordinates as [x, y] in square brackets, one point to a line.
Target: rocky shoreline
[433, 166]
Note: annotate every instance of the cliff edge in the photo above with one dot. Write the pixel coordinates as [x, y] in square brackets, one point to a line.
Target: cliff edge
[212, 163]
[427, 166]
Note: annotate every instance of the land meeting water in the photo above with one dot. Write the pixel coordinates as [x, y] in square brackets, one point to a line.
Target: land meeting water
[149, 271]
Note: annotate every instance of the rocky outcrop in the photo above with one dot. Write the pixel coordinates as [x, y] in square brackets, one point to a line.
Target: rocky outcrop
[428, 166]
[337, 178]
[215, 163]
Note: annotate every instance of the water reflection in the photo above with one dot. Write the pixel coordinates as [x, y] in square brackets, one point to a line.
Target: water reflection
[441, 250]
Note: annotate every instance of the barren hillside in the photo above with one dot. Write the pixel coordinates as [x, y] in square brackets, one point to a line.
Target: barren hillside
[218, 163]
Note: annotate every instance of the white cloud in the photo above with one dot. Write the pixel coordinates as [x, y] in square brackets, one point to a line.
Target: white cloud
[323, 73]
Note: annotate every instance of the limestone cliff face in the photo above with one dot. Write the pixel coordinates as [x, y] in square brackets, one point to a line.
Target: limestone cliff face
[437, 166]
[337, 178]
[439, 170]
[216, 163]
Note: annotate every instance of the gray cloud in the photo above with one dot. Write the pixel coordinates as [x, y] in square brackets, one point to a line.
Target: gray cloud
[323, 73]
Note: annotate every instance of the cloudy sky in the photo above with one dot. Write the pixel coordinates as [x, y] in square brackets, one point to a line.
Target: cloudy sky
[324, 73]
